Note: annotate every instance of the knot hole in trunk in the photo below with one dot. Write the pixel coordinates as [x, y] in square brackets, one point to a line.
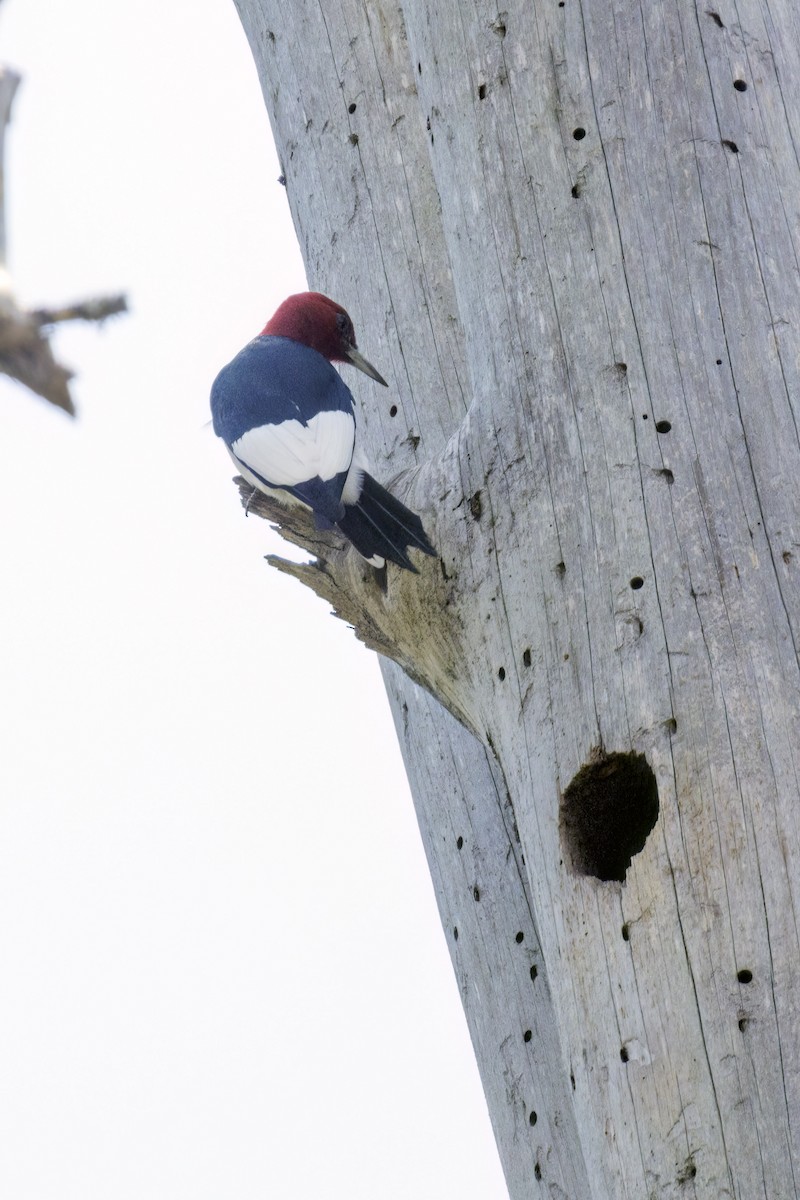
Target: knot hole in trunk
[607, 813]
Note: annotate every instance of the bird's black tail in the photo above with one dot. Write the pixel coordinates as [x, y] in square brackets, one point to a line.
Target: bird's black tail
[380, 526]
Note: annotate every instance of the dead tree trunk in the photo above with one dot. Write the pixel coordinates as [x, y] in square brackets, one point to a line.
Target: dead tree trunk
[568, 235]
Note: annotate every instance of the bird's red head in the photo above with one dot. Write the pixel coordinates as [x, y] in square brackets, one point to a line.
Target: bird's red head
[316, 321]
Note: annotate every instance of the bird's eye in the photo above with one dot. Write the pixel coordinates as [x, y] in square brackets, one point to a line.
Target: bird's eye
[345, 327]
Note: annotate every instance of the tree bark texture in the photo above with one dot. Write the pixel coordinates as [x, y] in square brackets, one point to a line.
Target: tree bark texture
[568, 235]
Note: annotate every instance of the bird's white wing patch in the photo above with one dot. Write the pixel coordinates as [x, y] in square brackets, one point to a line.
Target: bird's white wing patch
[351, 492]
[290, 453]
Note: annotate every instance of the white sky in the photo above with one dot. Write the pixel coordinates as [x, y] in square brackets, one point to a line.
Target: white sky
[221, 967]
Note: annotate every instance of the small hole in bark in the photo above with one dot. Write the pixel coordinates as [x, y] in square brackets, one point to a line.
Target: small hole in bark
[351, 108]
[476, 895]
[353, 139]
[787, 556]
[623, 1054]
[637, 582]
[666, 474]
[644, 416]
[671, 725]
[526, 654]
[740, 85]
[527, 1035]
[520, 937]
[560, 569]
[533, 1118]
[572, 1079]
[622, 367]
[626, 932]
[717, 19]
[459, 842]
[476, 506]
[393, 411]
[482, 92]
[729, 145]
[579, 134]
[534, 973]
[419, 68]
[537, 1170]
[455, 933]
[576, 190]
[663, 426]
[743, 1023]
[501, 674]
[607, 813]
[744, 976]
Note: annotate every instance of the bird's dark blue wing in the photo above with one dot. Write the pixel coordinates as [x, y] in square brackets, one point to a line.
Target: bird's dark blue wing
[287, 417]
[275, 379]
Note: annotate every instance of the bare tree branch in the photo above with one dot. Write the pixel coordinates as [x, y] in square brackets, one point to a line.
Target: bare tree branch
[25, 355]
[9, 82]
[97, 308]
[25, 352]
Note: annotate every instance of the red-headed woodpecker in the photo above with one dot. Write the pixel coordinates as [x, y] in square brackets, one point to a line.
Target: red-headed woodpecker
[288, 420]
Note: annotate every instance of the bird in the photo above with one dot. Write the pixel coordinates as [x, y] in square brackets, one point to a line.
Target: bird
[288, 420]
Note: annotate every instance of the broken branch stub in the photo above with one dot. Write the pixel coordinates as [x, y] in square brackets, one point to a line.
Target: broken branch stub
[394, 612]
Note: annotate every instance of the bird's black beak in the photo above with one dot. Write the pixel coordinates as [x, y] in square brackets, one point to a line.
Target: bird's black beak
[357, 360]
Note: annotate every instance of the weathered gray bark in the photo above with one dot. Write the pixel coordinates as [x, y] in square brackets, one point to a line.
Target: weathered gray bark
[568, 236]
